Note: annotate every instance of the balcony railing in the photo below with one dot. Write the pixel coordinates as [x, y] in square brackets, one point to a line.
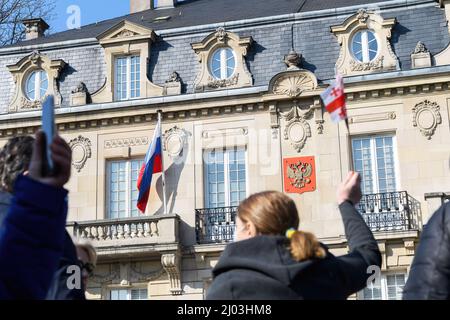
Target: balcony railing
[390, 211]
[146, 230]
[215, 225]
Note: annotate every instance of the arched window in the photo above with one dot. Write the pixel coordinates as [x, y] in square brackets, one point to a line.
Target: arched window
[223, 63]
[365, 46]
[36, 85]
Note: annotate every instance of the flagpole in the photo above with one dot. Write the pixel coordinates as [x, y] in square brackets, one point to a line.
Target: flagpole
[163, 175]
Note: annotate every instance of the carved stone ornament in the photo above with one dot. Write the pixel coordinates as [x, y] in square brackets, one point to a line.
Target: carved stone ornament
[426, 117]
[173, 84]
[171, 264]
[126, 142]
[293, 60]
[174, 77]
[81, 151]
[362, 15]
[80, 88]
[420, 48]
[175, 140]
[107, 277]
[241, 76]
[137, 274]
[421, 56]
[21, 72]
[223, 83]
[297, 130]
[364, 19]
[221, 34]
[293, 83]
[78, 96]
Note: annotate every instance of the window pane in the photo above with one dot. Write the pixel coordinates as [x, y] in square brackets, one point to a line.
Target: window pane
[139, 294]
[222, 63]
[122, 188]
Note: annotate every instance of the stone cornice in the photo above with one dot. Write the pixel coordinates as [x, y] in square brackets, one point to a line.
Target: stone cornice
[220, 103]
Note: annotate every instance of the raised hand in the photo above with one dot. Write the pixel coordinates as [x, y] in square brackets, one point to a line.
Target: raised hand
[350, 189]
[61, 156]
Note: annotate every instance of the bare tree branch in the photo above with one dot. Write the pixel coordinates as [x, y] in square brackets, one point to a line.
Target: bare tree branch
[12, 12]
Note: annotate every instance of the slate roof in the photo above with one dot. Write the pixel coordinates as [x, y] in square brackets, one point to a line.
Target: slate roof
[200, 12]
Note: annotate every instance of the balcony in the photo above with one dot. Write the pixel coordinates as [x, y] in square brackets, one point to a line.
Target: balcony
[390, 211]
[126, 236]
[215, 225]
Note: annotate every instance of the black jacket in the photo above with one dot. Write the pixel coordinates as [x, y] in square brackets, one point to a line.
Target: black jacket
[429, 277]
[262, 268]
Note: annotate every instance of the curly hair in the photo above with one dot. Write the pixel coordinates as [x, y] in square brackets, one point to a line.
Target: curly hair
[15, 158]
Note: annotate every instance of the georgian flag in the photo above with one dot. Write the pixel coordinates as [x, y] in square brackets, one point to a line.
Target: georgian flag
[334, 100]
[152, 164]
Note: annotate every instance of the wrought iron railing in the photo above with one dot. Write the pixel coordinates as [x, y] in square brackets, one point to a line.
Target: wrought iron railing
[390, 211]
[215, 225]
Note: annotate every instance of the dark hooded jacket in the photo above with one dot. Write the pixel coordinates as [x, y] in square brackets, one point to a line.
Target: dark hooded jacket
[261, 268]
[31, 239]
[429, 277]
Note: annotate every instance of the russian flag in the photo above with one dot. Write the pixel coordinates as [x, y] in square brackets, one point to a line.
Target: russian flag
[152, 164]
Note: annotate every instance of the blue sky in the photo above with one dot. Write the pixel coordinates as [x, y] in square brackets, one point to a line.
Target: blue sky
[90, 11]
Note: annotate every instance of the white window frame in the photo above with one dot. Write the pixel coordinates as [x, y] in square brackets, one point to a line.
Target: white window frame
[365, 45]
[37, 84]
[372, 137]
[128, 290]
[128, 75]
[226, 164]
[383, 285]
[128, 186]
[223, 63]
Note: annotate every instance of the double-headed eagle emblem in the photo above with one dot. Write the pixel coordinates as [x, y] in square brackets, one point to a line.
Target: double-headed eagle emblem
[299, 174]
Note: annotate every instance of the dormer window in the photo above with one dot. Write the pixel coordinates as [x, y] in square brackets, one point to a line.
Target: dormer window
[365, 46]
[36, 85]
[223, 63]
[128, 77]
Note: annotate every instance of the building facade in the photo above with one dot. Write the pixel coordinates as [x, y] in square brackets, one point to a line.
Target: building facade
[238, 84]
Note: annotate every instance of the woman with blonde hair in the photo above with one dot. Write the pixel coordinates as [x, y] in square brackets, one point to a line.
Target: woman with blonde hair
[274, 260]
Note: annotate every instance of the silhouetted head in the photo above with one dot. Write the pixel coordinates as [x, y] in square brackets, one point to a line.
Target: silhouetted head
[15, 158]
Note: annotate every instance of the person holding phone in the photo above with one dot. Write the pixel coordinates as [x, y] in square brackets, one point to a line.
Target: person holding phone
[33, 232]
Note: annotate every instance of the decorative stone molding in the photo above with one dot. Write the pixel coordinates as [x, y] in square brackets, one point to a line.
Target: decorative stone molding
[373, 117]
[126, 38]
[385, 59]
[420, 57]
[209, 134]
[241, 77]
[137, 275]
[293, 83]
[20, 72]
[171, 264]
[108, 277]
[173, 85]
[81, 151]
[427, 117]
[126, 142]
[175, 140]
[297, 129]
[409, 247]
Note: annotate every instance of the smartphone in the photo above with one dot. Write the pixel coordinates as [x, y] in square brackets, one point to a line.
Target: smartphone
[48, 126]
